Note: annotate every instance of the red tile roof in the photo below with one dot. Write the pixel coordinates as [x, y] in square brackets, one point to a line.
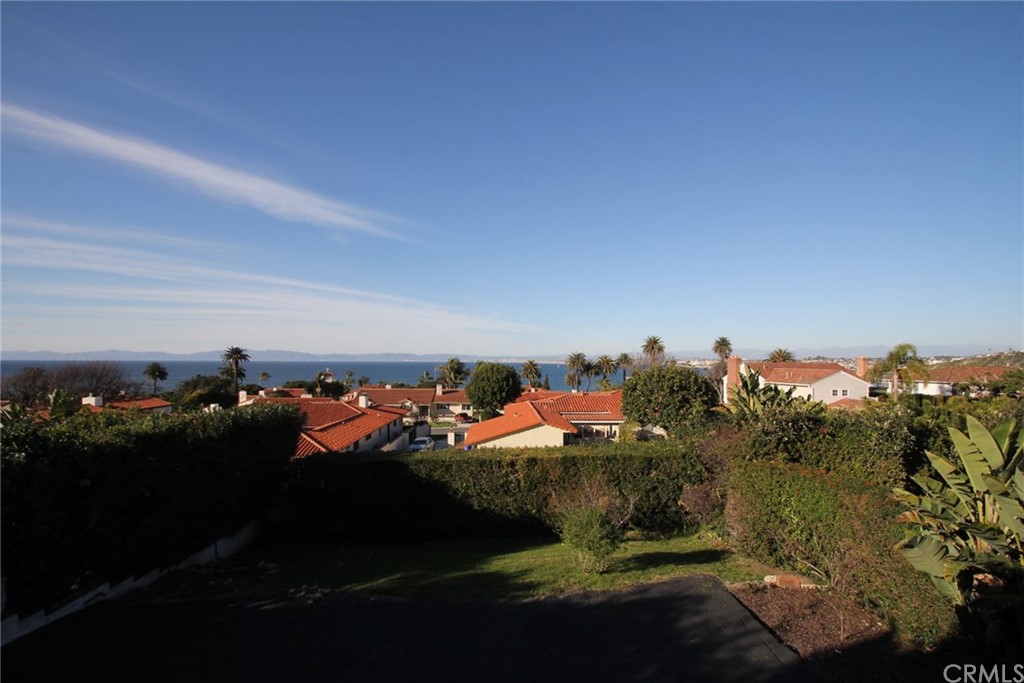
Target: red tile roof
[561, 411]
[142, 404]
[333, 426]
[967, 373]
[518, 417]
[397, 397]
[801, 373]
[539, 394]
[848, 404]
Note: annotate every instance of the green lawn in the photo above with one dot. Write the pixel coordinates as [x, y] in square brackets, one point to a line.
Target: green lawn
[492, 569]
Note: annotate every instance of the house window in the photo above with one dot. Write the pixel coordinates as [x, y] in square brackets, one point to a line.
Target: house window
[835, 392]
[466, 406]
[442, 406]
[846, 392]
[367, 438]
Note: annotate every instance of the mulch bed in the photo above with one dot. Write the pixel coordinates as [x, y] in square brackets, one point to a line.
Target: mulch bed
[846, 643]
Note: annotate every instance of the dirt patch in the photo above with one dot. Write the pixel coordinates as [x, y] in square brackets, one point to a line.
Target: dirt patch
[846, 643]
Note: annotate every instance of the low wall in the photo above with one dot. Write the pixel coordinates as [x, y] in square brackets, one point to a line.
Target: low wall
[15, 627]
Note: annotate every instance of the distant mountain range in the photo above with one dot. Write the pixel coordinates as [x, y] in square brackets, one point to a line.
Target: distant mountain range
[274, 355]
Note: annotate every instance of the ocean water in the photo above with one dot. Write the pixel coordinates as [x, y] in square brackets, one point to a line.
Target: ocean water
[284, 371]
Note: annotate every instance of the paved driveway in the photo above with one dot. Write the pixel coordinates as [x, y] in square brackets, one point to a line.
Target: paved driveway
[687, 629]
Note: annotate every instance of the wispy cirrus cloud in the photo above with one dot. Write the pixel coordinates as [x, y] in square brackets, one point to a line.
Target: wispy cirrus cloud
[272, 197]
[98, 285]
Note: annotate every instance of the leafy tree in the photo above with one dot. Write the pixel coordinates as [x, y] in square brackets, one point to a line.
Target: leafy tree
[673, 397]
[63, 404]
[362, 381]
[546, 384]
[654, 350]
[901, 366]
[105, 378]
[722, 348]
[576, 363]
[781, 355]
[530, 372]
[203, 390]
[155, 372]
[625, 362]
[492, 386]
[29, 387]
[233, 358]
[1011, 383]
[453, 373]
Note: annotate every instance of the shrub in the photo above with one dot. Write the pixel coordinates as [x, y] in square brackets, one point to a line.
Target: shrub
[841, 529]
[95, 498]
[593, 536]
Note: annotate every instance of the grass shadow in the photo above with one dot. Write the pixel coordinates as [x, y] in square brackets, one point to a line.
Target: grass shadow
[654, 560]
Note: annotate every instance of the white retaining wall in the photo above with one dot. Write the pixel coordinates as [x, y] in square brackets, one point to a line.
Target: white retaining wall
[15, 627]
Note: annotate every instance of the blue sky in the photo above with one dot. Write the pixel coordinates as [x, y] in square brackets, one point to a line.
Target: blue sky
[520, 179]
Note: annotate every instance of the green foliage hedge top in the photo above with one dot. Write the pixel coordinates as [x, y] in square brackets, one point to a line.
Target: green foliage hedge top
[489, 492]
[101, 497]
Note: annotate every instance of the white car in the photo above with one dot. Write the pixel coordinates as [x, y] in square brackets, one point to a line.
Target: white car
[423, 443]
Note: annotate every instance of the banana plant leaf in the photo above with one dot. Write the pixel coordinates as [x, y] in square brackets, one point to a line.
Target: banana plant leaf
[975, 462]
[987, 443]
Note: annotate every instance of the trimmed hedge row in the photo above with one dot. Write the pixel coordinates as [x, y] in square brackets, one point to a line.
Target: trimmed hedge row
[97, 498]
[842, 529]
[504, 492]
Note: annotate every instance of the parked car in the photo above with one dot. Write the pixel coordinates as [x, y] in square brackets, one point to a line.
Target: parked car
[463, 417]
[423, 443]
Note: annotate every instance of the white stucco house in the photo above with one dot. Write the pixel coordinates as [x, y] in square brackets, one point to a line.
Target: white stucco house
[816, 381]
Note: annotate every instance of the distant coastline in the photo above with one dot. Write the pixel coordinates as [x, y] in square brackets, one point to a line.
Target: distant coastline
[280, 372]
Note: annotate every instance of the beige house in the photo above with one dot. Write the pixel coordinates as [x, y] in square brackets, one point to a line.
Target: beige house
[555, 420]
[815, 381]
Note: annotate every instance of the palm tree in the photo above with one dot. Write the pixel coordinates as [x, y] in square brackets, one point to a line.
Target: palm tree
[233, 357]
[155, 372]
[264, 376]
[654, 350]
[572, 380]
[589, 370]
[452, 373]
[624, 362]
[722, 347]
[426, 377]
[576, 363]
[901, 366]
[530, 372]
[606, 365]
[363, 381]
[781, 355]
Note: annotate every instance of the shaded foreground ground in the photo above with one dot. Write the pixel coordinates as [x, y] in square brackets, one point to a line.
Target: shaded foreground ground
[685, 629]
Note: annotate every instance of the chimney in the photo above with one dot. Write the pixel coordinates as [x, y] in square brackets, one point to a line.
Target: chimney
[862, 367]
[363, 401]
[243, 396]
[91, 400]
[734, 366]
[438, 389]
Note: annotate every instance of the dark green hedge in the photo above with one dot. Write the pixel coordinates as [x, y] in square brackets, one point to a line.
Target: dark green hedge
[97, 498]
[503, 492]
[842, 529]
